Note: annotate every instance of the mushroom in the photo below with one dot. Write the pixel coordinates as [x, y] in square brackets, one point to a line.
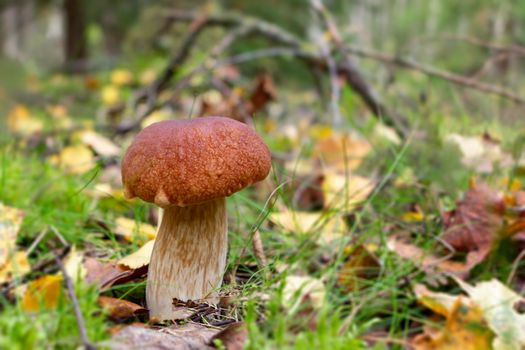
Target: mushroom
[188, 167]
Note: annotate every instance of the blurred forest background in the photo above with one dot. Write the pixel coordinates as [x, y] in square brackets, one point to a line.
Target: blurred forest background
[397, 132]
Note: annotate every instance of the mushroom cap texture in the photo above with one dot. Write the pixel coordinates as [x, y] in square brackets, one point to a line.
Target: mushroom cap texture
[186, 162]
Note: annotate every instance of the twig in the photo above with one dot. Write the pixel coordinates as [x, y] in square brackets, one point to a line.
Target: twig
[436, 72]
[71, 292]
[348, 69]
[511, 48]
[355, 78]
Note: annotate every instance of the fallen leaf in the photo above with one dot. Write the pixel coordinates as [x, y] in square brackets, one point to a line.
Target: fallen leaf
[328, 226]
[464, 325]
[14, 266]
[477, 220]
[481, 153]
[180, 337]
[107, 274]
[359, 267]
[345, 192]
[155, 117]
[43, 292]
[428, 261]
[485, 319]
[110, 95]
[75, 159]
[10, 223]
[296, 288]
[497, 303]
[140, 258]
[343, 151]
[120, 309]
[100, 144]
[233, 337]
[120, 77]
[132, 230]
[74, 265]
[20, 121]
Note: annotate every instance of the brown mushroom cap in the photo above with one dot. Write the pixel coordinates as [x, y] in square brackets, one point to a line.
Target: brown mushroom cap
[186, 162]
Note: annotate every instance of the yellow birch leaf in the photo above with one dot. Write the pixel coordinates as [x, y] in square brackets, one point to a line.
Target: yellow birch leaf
[328, 226]
[75, 159]
[139, 258]
[345, 192]
[42, 293]
[10, 223]
[132, 230]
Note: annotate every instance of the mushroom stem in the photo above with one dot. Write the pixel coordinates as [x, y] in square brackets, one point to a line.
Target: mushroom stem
[189, 256]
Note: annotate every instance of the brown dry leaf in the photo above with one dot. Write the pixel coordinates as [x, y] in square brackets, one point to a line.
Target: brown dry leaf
[75, 159]
[359, 265]
[43, 292]
[328, 226]
[343, 151]
[464, 325]
[20, 121]
[345, 192]
[232, 337]
[132, 230]
[189, 336]
[263, 92]
[120, 309]
[100, 144]
[426, 260]
[138, 259]
[107, 274]
[307, 192]
[477, 220]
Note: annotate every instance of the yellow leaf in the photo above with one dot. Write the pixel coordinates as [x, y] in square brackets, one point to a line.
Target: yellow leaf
[14, 266]
[100, 144]
[20, 121]
[327, 226]
[10, 222]
[110, 95]
[155, 117]
[121, 77]
[43, 292]
[344, 151]
[132, 230]
[345, 192]
[140, 258]
[413, 216]
[74, 159]
[74, 265]
[298, 287]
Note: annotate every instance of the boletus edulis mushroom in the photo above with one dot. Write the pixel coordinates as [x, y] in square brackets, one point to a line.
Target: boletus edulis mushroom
[188, 167]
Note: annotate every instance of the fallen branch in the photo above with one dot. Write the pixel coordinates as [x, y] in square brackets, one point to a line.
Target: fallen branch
[436, 72]
[247, 26]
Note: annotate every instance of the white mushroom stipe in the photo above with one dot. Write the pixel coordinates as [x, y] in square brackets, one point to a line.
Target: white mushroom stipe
[188, 258]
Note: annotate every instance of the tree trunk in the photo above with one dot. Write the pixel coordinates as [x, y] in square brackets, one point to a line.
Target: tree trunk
[75, 35]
